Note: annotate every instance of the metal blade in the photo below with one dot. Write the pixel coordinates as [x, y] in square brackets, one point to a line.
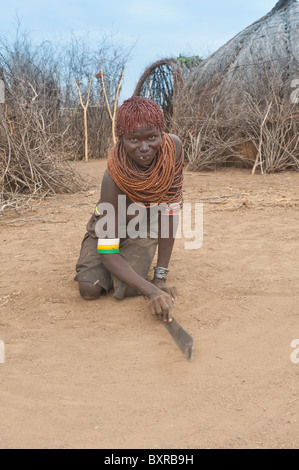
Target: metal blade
[181, 337]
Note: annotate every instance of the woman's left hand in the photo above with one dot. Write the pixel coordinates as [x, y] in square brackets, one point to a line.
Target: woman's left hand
[161, 284]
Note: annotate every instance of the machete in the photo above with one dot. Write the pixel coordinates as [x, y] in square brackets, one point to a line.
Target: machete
[181, 337]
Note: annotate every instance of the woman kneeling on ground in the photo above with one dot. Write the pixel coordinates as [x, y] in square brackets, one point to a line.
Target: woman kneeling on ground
[144, 172]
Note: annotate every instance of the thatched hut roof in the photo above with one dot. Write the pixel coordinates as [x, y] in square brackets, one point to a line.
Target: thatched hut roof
[270, 44]
[242, 93]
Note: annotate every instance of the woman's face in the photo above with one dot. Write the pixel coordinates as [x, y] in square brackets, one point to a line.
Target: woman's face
[142, 145]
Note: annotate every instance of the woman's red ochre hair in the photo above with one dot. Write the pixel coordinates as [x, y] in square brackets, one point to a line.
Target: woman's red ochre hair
[138, 111]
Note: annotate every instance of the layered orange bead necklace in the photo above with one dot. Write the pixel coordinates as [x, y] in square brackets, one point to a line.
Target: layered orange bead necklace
[161, 182]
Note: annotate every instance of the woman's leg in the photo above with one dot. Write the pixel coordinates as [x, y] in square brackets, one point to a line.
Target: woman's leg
[92, 277]
[90, 291]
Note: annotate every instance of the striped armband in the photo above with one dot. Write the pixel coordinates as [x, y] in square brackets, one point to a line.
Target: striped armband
[108, 245]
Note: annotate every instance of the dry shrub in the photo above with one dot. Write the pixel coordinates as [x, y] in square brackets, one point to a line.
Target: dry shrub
[41, 120]
[80, 62]
[256, 128]
[31, 162]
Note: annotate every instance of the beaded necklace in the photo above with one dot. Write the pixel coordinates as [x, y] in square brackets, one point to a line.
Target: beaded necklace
[161, 182]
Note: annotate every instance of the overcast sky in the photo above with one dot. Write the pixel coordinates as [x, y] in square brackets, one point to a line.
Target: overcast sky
[156, 28]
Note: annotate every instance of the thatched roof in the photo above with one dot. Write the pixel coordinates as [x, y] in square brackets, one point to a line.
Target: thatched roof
[241, 96]
[270, 44]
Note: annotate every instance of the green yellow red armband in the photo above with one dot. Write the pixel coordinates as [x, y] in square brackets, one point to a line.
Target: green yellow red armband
[108, 245]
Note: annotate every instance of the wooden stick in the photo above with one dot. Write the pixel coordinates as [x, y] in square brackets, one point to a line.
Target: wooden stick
[115, 104]
[85, 106]
[112, 115]
[259, 153]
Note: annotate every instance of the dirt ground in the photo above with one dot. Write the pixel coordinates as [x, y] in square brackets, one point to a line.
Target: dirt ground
[107, 375]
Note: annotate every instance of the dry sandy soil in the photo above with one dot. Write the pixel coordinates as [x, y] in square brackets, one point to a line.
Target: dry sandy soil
[106, 374]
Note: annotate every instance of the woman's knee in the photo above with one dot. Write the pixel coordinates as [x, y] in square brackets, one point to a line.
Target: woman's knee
[89, 291]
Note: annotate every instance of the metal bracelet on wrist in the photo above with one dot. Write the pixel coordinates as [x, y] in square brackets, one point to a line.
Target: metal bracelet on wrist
[160, 273]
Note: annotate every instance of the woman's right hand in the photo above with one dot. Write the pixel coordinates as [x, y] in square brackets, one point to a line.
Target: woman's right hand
[161, 304]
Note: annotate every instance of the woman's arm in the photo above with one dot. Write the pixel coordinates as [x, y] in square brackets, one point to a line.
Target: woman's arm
[160, 302]
[165, 248]
[168, 225]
